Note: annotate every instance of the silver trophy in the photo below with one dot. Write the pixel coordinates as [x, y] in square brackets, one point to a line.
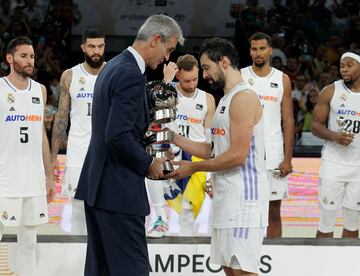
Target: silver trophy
[342, 124]
[162, 101]
[276, 172]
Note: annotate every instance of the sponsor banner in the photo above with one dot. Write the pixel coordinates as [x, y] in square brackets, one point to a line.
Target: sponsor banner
[63, 259]
[200, 18]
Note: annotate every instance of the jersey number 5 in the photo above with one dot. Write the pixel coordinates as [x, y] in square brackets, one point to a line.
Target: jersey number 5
[24, 135]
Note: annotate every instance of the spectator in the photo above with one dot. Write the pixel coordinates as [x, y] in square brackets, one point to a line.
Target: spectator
[311, 101]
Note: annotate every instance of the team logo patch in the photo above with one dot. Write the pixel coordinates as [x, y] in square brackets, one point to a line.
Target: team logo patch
[199, 107]
[82, 89]
[13, 218]
[274, 85]
[35, 100]
[82, 80]
[10, 98]
[222, 109]
[251, 81]
[5, 215]
[343, 97]
[42, 215]
[12, 109]
[325, 200]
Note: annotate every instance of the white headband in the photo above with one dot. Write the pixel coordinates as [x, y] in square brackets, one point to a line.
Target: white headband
[351, 55]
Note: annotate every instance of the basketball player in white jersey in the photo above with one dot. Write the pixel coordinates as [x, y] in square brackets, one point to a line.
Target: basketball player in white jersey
[241, 190]
[26, 179]
[336, 119]
[274, 90]
[194, 113]
[77, 87]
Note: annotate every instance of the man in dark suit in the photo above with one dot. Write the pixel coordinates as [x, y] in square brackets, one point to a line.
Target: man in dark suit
[112, 179]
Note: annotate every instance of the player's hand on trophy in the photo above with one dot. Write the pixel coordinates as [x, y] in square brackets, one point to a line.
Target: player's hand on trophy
[170, 71]
[185, 169]
[50, 189]
[285, 168]
[344, 138]
[155, 170]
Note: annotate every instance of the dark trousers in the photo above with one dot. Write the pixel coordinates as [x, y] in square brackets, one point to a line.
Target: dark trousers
[116, 244]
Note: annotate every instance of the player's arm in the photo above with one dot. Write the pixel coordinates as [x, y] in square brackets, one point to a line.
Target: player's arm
[244, 115]
[62, 116]
[169, 71]
[287, 117]
[50, 185]
[320, 117]
[210, 101]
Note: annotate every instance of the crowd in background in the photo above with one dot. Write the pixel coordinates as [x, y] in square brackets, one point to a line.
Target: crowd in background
[308, 39]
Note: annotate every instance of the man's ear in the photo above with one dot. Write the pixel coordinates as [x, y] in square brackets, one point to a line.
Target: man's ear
[155, 39]
[9, 58]
[225, 62]
[82, 46]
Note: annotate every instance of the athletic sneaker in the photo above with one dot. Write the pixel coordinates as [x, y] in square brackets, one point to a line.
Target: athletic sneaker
[159, 229]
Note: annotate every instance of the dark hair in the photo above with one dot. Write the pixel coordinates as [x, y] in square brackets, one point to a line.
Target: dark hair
[259, 36]
[187, 62]
[92, 33]
[217, 48]
[14, 43]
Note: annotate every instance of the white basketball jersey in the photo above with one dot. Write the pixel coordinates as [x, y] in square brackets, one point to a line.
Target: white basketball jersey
[270, 90]
[344, 104]
[81, 93]
[190, 115]
[240, 194]
[21, 135]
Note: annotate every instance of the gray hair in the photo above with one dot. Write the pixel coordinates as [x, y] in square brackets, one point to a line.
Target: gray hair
[163, 25]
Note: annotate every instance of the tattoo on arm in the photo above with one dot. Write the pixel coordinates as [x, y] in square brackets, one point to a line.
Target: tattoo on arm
[62, 116]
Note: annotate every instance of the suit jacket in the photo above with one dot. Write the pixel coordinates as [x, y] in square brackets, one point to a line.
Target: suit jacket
[112, 177]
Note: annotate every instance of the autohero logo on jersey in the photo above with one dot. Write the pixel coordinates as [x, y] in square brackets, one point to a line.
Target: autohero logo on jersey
[218, 131]
[23, 118]
[82, 94]
[268, 98]
[348, 112]
[188, 119]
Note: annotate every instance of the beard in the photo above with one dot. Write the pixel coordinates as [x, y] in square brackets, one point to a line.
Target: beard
[21, 70]
[94, 63]
[259, 65]
[348, 82]
[218, 84]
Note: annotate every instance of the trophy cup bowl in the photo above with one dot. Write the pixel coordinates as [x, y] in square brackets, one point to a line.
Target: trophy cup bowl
[161, 95]
[162, 103]
[341, 121]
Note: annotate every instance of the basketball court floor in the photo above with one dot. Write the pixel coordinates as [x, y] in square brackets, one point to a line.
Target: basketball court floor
[300, 211]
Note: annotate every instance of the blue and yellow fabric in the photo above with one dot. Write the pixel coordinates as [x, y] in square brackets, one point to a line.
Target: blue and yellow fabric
[190, 188]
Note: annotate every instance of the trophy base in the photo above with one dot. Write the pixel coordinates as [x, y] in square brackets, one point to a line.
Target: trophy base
[167, 168]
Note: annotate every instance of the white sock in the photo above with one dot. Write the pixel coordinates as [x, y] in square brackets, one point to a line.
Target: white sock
[26, 240]
[156, 193]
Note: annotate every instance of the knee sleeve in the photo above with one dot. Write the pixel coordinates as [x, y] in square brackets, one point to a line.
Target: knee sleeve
[26, 249]
[351, 219]
[327, 220]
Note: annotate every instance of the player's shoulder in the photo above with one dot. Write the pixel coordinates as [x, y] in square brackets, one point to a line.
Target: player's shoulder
[67, 74]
